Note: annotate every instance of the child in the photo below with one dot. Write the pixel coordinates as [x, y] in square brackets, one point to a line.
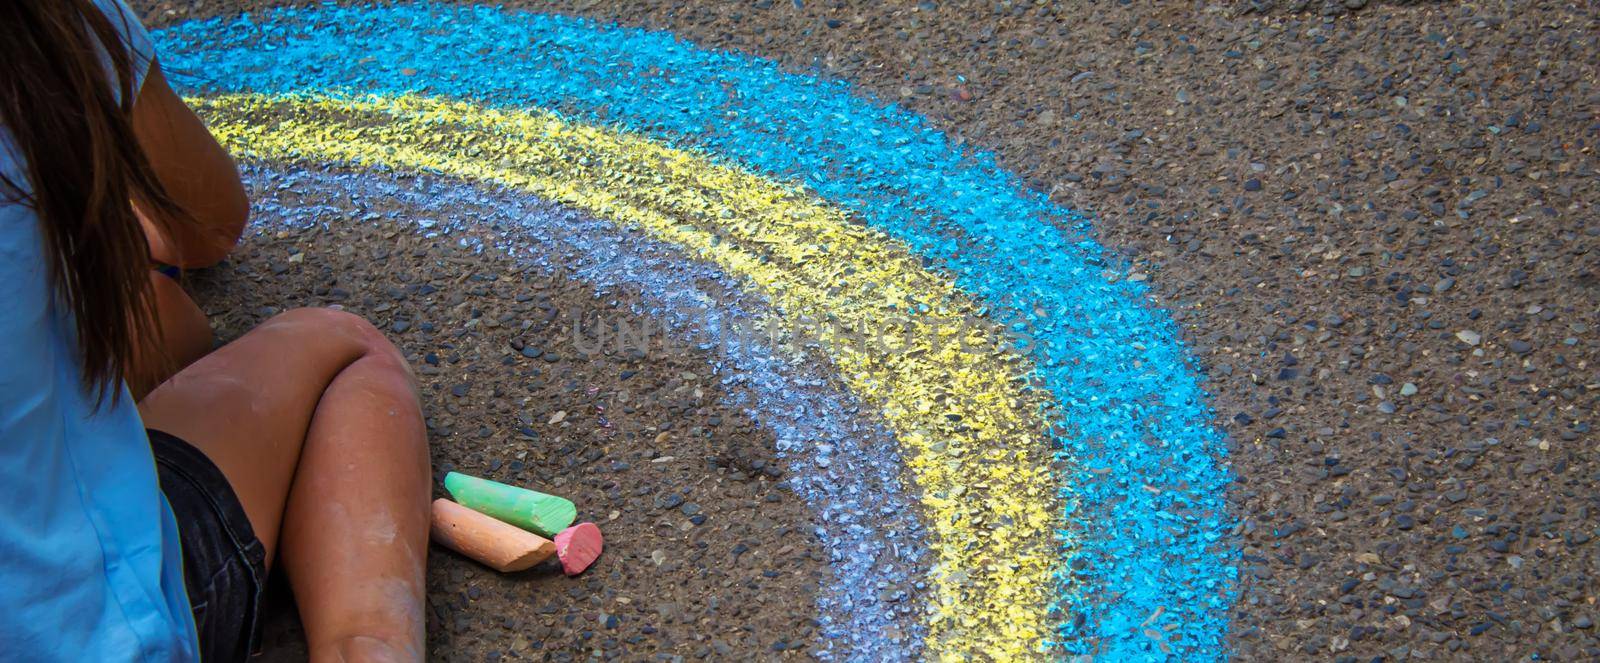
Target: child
[140, 524]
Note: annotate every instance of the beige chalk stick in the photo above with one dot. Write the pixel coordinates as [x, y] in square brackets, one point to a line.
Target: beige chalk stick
[497, 545]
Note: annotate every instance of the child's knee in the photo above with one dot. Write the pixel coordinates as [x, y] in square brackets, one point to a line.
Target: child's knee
[342, 323]
[324, 320]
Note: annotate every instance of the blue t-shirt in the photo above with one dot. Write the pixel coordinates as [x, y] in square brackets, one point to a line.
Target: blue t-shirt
[90, 564]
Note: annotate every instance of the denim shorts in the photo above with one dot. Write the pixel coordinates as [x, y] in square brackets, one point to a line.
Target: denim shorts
[224, 564]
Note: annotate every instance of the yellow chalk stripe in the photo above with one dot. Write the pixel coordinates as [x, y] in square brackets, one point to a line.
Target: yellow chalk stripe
[956, 398]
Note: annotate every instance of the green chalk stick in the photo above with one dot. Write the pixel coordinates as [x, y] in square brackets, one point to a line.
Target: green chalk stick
[536, 512]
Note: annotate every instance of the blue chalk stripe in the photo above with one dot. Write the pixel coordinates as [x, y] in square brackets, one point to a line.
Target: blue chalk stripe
[1146, 487]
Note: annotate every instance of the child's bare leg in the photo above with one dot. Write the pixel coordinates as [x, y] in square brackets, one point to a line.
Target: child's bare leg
[185, 337]
[313, 418]
[357, 570]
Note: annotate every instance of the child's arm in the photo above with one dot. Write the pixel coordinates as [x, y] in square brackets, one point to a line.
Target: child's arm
[197, 173]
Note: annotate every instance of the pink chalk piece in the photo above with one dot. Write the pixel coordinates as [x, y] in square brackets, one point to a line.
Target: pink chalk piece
[578, 546]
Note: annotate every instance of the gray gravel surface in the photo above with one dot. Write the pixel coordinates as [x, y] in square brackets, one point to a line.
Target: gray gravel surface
[1376, 224]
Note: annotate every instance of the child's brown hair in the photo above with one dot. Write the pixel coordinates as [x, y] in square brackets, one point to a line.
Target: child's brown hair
[69, 117]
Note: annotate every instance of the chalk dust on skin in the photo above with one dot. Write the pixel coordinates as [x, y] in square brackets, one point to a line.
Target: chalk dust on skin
[663, 584]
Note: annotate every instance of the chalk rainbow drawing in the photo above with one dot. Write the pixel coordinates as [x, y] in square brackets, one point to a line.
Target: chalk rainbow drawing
[1045, 421]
